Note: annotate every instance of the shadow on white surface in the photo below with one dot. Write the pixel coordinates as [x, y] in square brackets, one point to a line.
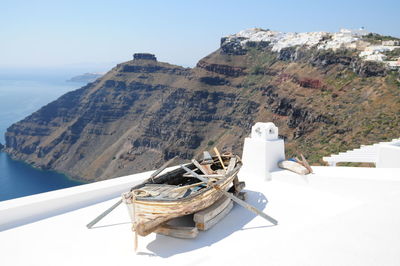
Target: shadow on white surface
[108, 225]
[165, 246]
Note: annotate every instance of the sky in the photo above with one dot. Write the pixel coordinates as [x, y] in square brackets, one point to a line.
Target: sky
[99, 34]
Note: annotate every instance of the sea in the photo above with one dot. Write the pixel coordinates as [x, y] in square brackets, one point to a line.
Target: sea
[23, 91]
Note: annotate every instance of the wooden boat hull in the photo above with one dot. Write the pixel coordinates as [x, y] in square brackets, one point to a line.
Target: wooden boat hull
[147, 215]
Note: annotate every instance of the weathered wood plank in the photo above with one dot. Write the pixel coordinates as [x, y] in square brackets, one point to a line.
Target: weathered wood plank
[177, 231]
[294, 167]
[234, 198]
[188, 186]
[207, 159]
[305, 163]
[201, 168]
[157, 187]
[208, 168]
[219, 158]
[205, 176]
[159, 170]
[221, 172]
[237, 187]
[172, 193]
[231, 165]
[212, 211]
[210, 223]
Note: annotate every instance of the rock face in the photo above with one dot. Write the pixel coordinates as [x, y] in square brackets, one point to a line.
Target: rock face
[225, 70]
[144, 56]
[143, 112]
[370, 69]
[1, 146]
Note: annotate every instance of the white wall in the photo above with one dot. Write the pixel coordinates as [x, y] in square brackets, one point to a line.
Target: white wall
[389, 156]
[262, 152]
[29, 209]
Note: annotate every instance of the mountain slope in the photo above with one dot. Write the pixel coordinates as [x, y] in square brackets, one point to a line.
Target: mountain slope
[144, 112]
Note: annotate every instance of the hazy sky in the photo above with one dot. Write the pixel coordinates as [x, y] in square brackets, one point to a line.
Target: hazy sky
[71, 33]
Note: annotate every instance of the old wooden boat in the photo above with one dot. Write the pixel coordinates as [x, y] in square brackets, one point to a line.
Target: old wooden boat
[178, 193]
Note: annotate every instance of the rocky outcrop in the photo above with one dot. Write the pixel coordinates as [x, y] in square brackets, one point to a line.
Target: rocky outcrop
[151, 67]
[221, 69]
[214, 81]
[325, 58]
[370, 69]
[232, 47]
[288, 54]
[299, 117]
[144, 56]
[1, 146]
[309, 83]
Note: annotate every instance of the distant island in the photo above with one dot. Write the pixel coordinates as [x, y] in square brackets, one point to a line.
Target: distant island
[86, 78]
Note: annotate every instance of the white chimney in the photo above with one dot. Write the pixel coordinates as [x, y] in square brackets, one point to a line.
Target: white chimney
[262, 152]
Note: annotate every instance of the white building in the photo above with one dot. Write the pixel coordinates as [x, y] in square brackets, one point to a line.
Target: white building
[391, 43]
[393, 64]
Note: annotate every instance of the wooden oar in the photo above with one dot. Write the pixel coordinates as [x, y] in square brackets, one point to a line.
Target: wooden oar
[305, 163]
[219, 157]
[159, 170]
[106, 212]
[234, 198]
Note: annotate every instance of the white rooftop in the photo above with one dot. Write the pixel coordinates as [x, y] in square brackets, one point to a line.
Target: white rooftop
[280, 40]
[336, 216]
[345, 38]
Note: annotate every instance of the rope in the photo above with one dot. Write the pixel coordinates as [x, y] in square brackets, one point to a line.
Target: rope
[134, 222]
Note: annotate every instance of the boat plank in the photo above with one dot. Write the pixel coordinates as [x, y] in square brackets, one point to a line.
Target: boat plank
[177, 231]
[210, 223]
[219, 158]
[207, 159]
[305, 163]
[231, 165]
[294, 167]
[200, 167]
[210, 212]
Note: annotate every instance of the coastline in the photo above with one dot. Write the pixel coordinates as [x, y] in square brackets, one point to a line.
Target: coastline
[38, 168]
[24, 92]
[19, 178]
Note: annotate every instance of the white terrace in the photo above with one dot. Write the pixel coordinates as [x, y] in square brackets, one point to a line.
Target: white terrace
[382, 154]
[336, 216]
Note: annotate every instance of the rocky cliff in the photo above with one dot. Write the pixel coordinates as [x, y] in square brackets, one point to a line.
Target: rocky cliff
[143, 112]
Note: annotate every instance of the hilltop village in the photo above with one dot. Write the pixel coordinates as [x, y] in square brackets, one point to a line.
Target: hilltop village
[370, 46]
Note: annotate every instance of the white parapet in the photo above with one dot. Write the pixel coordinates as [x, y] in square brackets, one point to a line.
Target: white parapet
[262, 152]
[382, 154]
[389, 156]
[20, 211]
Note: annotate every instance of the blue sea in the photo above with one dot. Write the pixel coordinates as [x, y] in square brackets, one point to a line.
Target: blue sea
[21, 93]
